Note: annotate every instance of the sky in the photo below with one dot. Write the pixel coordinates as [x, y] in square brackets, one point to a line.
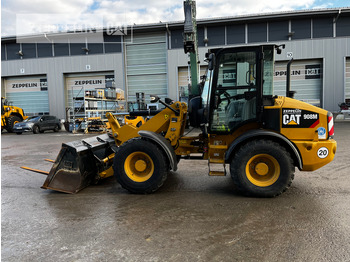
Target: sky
[36, 16]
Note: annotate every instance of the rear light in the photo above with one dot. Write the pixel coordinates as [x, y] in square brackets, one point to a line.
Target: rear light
[330, 125]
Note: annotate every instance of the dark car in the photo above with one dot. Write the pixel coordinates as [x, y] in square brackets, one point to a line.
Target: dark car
[37, 124]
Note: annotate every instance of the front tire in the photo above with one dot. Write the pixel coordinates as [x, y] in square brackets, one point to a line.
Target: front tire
[11, 121]
[140, 166]
[36, 129]
[262, 168]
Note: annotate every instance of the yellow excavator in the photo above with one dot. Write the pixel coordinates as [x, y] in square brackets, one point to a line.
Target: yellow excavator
[260, 137]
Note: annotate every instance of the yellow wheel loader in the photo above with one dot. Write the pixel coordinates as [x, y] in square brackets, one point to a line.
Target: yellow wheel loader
[10, 115]
[259, 137]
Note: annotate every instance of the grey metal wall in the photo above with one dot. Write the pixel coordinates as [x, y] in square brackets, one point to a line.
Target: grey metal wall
[333, 52]
[55, 69]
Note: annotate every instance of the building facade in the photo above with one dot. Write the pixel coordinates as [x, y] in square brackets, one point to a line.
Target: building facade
[43, 78]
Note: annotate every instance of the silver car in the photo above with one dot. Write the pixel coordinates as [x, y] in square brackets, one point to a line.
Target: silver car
[37, 124]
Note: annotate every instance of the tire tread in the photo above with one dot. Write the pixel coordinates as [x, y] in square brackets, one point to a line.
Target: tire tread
[163, 168]
[236, 164]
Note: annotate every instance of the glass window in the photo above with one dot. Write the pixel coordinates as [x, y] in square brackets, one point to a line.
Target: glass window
[278, 30]
[3, 52]
[235, 94]
[257, 32]
[236, 34]
[77, 49]
[301, 29]
[13, 51]
[177, 39]
[44, 50]
[207, 87]
[61, 49]
[95, 48]
[216, 35]
[112, 47]
[322, 27]
[200, 36]
[268, 71]
[29, 50]
[343, 25]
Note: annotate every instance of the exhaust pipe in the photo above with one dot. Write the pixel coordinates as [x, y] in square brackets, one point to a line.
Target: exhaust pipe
[288, 92]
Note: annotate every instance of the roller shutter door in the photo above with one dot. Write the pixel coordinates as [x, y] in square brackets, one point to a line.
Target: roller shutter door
[306, 80]
[29, 93]
[146, 65]
[184, 77]
[347, 79]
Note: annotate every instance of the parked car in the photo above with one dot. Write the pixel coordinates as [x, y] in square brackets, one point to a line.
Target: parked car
[37, 124]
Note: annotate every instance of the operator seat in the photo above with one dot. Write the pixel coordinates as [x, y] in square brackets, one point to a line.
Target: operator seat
[249, 109]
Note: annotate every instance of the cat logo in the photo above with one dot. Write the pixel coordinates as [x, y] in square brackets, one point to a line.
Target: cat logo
[291, 117]
[296, 118]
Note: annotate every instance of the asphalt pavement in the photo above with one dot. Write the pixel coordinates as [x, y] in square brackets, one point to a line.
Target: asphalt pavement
[193, 217]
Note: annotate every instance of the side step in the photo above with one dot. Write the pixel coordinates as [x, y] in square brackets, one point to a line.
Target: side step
[217, 173]
[218, 165]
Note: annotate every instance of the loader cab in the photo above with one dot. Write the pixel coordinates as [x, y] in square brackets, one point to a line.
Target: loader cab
[237, 87]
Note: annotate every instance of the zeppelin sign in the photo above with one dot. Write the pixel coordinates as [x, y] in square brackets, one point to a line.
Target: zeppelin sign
[309, 72]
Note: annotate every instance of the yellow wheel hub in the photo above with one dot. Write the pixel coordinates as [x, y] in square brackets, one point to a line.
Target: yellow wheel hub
[263, 170]
[139, 166]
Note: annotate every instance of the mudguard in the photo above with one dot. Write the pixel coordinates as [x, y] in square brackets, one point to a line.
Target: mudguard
[266, 134]
[164, 144]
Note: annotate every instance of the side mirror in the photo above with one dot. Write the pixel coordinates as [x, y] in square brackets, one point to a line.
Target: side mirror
[169, 101]
[279, 48]
[212, 61]
[154, 98]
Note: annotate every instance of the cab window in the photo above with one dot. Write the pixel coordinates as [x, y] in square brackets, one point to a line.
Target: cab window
[235, 94]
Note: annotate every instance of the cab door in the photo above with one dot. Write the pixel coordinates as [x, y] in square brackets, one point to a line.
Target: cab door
[237, 85]
[44, 123]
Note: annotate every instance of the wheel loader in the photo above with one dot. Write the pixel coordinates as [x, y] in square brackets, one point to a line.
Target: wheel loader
[259, 137]
[10, 115]
[245, 131]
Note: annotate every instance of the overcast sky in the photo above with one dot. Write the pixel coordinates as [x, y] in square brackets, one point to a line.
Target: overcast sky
[95, 12]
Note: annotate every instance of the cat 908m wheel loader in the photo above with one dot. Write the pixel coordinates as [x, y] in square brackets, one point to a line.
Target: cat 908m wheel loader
[260, 137]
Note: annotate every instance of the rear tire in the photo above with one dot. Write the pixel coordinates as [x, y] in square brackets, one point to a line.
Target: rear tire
[262, 168]
[56, 129]
[11, 121]
[140, 166]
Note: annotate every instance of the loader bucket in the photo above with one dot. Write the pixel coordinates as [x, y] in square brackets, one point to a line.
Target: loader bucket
[79, 163]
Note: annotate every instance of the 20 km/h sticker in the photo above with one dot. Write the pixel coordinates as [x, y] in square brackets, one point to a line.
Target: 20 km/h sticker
[322, 152]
